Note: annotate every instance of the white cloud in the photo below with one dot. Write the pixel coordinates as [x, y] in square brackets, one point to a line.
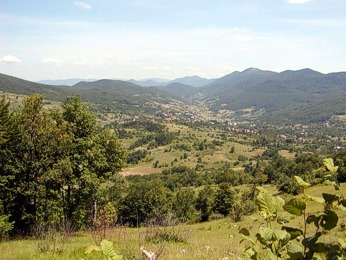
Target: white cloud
[82, 5]
[52, 61]
[10, 59]
[298, 1]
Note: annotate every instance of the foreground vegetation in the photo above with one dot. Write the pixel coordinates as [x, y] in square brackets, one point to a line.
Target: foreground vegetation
[62, 174]
[208, 240]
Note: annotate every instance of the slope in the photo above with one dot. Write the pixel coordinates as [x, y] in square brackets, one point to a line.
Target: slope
[178, 89]
[303, 95]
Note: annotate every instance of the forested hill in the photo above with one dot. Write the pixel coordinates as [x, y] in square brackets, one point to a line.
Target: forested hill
[303, 95]
[290, 96]
[179, 90]
[120, 95]
[20, 86]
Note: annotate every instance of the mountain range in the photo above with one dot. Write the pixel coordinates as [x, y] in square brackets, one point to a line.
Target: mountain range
[290, 96]
[194, 81]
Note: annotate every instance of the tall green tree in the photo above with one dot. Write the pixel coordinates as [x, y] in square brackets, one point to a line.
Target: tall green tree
[144, 201]
[38, 149]
[94, 157]
[55, 164]
[184, 205]
[204, 202]
[7, 135]
[223, 200]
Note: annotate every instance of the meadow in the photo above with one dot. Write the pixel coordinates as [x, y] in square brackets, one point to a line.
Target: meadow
[215, 239]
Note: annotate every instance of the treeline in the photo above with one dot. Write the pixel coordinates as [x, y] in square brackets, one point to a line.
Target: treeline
[146, 201]
[55, 165]
[201, 194]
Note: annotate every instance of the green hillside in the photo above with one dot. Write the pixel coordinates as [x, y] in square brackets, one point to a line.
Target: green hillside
[111, 94]
[20, 86]
[179, 90]
[301, 96]
[305, 95]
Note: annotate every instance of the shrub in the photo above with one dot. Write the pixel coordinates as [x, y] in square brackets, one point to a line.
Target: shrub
[292, 242]
[5, 226]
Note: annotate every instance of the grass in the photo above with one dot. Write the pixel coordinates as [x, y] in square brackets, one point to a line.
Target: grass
[210, 240]
[169, 156]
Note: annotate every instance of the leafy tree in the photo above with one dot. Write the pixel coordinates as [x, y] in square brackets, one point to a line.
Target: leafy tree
[184, 204]
[223, 200]
[204, 202]
[54, 163]
[144, 201]
[7, 136]
[93, 159]
[40, 146]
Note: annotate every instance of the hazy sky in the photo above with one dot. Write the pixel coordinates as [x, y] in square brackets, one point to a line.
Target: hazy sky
[58, 39]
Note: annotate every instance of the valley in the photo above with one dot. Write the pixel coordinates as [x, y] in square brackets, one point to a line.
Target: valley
[177, 164]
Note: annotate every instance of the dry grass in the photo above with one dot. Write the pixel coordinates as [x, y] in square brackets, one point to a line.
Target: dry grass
[140, 171]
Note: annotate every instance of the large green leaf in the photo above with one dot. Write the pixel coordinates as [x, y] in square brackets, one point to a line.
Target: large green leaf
[269, 255]
[283, 220]
[320, 248]
[107, 248]
[249, 239]
[301, 182]
[267, 233]
[92, 248]
[313, 198]
[310, 242]
[330, 220]
[244, 231]
[271, 234]
[330, 198]
[267, 204]
[315, 218]
[250, 253]
[343, 203]
[262, 240]
[283, 242]
[294, 232]
[329, 164]
[342, 243]
[295, 251]
[295, 207]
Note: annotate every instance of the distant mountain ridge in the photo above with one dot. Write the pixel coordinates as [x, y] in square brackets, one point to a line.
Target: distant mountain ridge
[179, 90]
[289, 96]
[194, 81]
[149, 82]
[64, 82]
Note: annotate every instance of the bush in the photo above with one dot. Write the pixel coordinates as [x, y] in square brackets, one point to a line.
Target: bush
[289, 186]
[5, 226]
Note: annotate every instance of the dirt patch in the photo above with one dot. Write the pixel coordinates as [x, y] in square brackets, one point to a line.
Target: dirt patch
[139, 171]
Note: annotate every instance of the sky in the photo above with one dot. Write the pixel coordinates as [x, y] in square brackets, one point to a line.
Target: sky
[140, 39]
